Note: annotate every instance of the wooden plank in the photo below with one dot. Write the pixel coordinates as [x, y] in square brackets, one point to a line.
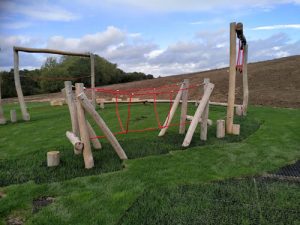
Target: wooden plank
[184, 106]
[92, 57]
[95, 142]
[51, 51]
[24, 111]
[245, 81]
[197, 116]
[2, 117]
[172, 113]
[204, 118]
[232, 76]
[100, 122]
[85, 137]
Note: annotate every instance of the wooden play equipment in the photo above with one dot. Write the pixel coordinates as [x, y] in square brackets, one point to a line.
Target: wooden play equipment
[16, 50]
[236, 31]
[53, 158]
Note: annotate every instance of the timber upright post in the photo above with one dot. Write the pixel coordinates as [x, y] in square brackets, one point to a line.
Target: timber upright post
[232, 75]
[184, 106]
[203, 132]
[24, 111]
[83, 128]
[245, 82]
[2, 118]
[93, 79]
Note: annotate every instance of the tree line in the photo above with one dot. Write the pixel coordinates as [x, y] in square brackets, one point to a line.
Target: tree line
[49, 78]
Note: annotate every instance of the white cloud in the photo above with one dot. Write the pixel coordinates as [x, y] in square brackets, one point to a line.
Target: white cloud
[15, 25]
[278, 27]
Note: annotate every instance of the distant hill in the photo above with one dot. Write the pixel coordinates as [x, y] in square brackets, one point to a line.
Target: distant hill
[274, 83]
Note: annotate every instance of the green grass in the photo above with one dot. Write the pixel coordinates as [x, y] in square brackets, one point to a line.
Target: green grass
[243, 201]
[107, 198]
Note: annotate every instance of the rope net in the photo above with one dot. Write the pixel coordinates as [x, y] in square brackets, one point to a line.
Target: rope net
[143, 95]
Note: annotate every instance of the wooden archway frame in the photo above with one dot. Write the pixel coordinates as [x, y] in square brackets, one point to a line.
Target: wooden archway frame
[16, 50]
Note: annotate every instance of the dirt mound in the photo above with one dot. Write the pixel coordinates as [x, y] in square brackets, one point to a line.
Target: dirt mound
[274, 83]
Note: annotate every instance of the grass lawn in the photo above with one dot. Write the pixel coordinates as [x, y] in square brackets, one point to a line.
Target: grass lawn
[112, 194]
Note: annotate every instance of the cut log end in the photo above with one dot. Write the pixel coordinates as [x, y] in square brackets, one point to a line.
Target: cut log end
[53, 158]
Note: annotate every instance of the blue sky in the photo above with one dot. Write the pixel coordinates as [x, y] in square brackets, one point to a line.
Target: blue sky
[158, 37]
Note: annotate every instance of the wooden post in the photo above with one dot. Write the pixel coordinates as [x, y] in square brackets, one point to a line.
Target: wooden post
[232, 75]
[102, 104]
[239, 110]
[85, 138]
[25, 114]
[71, 101]
[93, 79]
[236, 129]
[13, 116]
[100, 122]
[220, 128]
[197, 116]
[245, 81]
[75, 141]
[95, 142]
[53, 158]
[203, 132]
[172, 113]
[2, 118]
[184, 106]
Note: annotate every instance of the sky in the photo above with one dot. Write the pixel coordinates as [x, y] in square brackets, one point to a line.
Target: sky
[152, 36]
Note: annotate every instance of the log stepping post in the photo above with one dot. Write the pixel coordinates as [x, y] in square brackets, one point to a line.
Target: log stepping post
[53, 158]
[100, 122]
[220, 128]
[83, 128]
[13, 116]
[239, 110]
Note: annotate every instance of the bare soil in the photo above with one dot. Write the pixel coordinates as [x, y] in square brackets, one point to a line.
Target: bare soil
[272, 83]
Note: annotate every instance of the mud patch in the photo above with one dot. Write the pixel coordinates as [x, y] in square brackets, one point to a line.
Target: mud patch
[39, 203]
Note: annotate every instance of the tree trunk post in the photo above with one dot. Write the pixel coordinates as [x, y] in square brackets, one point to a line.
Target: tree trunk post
[245, 81]
[184, 106]
[220, 128]
[85, 138]
[93, 79]
[100, 122]
[232, 75]
[75, 141]
[172, 113]
[203, 132]
[95, 142]
[13, 116]
[204, 101]
[53, 158]
[24, 111]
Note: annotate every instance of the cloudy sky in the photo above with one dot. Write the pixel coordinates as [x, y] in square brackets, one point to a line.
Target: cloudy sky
[152, 36]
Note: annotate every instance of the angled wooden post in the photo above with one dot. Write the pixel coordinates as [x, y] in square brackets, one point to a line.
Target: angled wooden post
[75, 141]
[232, 75]
[2, 117]
[204, 121]
[71, 101]
[84, 135]
[198, 114]
[95, 142]
[25, 114]
[100, 122]
[184, 106]
[172, 113]
[245, 81]
[93, 79]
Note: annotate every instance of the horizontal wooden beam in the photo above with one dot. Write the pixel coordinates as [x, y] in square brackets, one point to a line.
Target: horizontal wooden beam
[51, 51]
